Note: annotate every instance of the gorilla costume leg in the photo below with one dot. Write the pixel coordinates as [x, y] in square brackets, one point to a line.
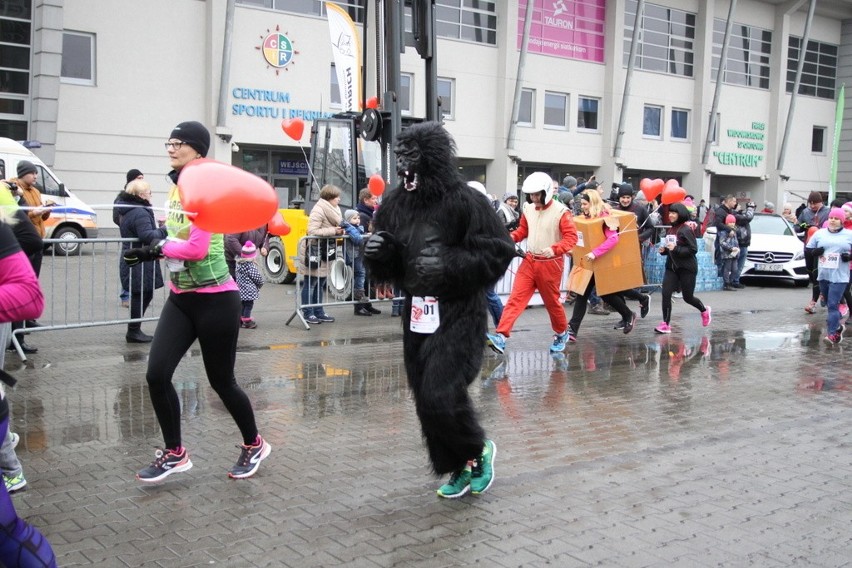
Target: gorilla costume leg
[440, 368]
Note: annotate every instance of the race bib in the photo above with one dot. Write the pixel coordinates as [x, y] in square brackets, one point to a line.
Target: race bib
[425, 317]
[671, 240]
[580, 240]
[829, 260]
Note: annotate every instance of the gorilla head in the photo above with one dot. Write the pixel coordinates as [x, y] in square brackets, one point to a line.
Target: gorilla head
[426, 157]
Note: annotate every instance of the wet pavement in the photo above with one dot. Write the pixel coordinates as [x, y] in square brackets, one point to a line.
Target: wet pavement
[720, 446]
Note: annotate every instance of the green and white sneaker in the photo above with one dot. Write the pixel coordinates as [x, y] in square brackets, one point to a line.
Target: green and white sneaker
[457, 486]
[15, 483]
[482, 474]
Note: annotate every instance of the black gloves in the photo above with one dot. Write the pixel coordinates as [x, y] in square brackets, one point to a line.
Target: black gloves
[430, 265]
[845, 256]
[143, 254]
[380, 247]
[818, 251]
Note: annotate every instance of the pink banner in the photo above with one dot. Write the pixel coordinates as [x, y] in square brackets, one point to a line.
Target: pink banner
[572, 29]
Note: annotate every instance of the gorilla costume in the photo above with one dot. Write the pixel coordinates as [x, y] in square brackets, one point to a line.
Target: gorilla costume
[436, 237]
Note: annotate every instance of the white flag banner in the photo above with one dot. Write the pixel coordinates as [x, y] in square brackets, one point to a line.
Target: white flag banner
[347, 56]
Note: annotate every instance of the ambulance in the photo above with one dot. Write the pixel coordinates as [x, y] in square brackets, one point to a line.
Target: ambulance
[70, 219]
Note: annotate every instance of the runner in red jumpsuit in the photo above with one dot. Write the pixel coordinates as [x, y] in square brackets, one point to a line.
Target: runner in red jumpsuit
[549, 229]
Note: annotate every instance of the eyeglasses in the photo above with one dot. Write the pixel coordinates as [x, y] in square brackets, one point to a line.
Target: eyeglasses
[174, 145]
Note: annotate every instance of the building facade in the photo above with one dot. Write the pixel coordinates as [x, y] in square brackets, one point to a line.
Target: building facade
[587, 88]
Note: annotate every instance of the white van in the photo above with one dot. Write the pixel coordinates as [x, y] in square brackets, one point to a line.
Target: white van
[70, 218]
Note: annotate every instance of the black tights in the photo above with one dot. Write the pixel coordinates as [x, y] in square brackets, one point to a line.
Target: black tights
[686, 282]
[615, 300]
[213, 319]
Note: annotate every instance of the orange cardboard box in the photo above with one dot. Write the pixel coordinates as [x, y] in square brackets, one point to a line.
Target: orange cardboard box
[621, 267]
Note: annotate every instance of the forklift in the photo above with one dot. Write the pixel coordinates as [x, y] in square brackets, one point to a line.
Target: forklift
[350, 147]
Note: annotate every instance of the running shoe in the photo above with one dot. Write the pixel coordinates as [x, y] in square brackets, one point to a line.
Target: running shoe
[645, 307]
[15, 483]
[843, 309]
[14, 439]
[325, 318]
[497, 342]
[811, 307]
[249, 460]
[834, 338]
[457, 486]
[705, 316]
[312, 319]
[572, 335]
[165, 463]
[248, 324]
[482, 473]
[628, 325]
[599, 310]
[663, 328]
[559, 341]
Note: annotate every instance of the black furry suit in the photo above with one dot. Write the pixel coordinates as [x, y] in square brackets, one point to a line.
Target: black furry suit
[440, 239]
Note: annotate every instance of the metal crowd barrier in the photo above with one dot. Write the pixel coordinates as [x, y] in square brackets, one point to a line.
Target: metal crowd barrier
[82, 290]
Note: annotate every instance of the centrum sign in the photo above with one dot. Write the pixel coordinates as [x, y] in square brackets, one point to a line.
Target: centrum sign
[748, 142]
[264, 103]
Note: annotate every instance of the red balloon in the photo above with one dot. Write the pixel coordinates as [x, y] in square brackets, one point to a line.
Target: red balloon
[373, 102]
[223, 199]
[293, 127]
[672, 183]
[376, 185]
[645, 184]
[652, 189]
[673, 194]
[277, 225]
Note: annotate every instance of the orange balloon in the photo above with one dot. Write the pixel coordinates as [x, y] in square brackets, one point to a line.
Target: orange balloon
[223, 199]
[277, 225]
[376, 185]
[673, 194]
[373, 102]
[293, 127]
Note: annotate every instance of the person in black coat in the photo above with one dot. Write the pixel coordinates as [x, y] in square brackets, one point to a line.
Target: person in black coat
[137, 222]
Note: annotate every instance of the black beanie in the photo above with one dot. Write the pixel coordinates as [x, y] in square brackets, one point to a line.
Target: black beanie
[625, 189]
[194, 134]
[25, 167]
[133, 174]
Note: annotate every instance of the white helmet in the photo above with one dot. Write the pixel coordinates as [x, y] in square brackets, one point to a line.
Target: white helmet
[478, 187]
[539, 181]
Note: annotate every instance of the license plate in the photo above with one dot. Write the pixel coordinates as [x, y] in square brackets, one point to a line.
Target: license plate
[769, 267]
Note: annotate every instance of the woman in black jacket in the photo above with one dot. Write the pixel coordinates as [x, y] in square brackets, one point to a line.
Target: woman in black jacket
[137, 222]
[680, 249]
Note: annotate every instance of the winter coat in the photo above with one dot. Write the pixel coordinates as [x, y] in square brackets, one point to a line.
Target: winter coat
[323, 221]
[366, 212]
[248, 279]
[234, 242]
[727, 242]
[682, 256]
[139, 223]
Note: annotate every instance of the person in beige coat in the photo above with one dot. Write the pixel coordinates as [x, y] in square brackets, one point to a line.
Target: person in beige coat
[324, 221]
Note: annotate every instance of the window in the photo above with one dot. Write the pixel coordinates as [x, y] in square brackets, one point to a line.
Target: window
[334, 100]
[748, 55]
[526, 112]
[587, 113]
[818, 140]
[680, 124]
[405, 82]
[78, 58]
[473, 20]
[652, 121]
[15, 39]
[819, 71]
[445, 94]
[666, 39]
[556, 110]
[310, 7]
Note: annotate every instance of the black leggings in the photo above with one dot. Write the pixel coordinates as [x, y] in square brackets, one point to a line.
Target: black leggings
[615, 300]
[213, 319]
[686, 282]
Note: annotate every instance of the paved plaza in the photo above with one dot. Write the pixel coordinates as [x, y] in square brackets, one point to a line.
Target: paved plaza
[720, 446]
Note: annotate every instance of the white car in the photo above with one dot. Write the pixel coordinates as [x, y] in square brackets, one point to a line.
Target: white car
[775, 250]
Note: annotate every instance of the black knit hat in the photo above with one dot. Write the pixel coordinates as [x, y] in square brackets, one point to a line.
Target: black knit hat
[625, 189]
[194, 134]
[25, 167]
[133, 174]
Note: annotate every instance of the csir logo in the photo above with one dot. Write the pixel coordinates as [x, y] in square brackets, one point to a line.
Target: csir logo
[277, 50]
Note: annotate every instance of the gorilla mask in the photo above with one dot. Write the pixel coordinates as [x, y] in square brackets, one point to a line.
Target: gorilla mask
[424, 151]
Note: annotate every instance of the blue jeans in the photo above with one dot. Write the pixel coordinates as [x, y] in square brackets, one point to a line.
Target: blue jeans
[741, 258]
[312, 293]
[495, 305]
[359, 274]
[833, 292]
